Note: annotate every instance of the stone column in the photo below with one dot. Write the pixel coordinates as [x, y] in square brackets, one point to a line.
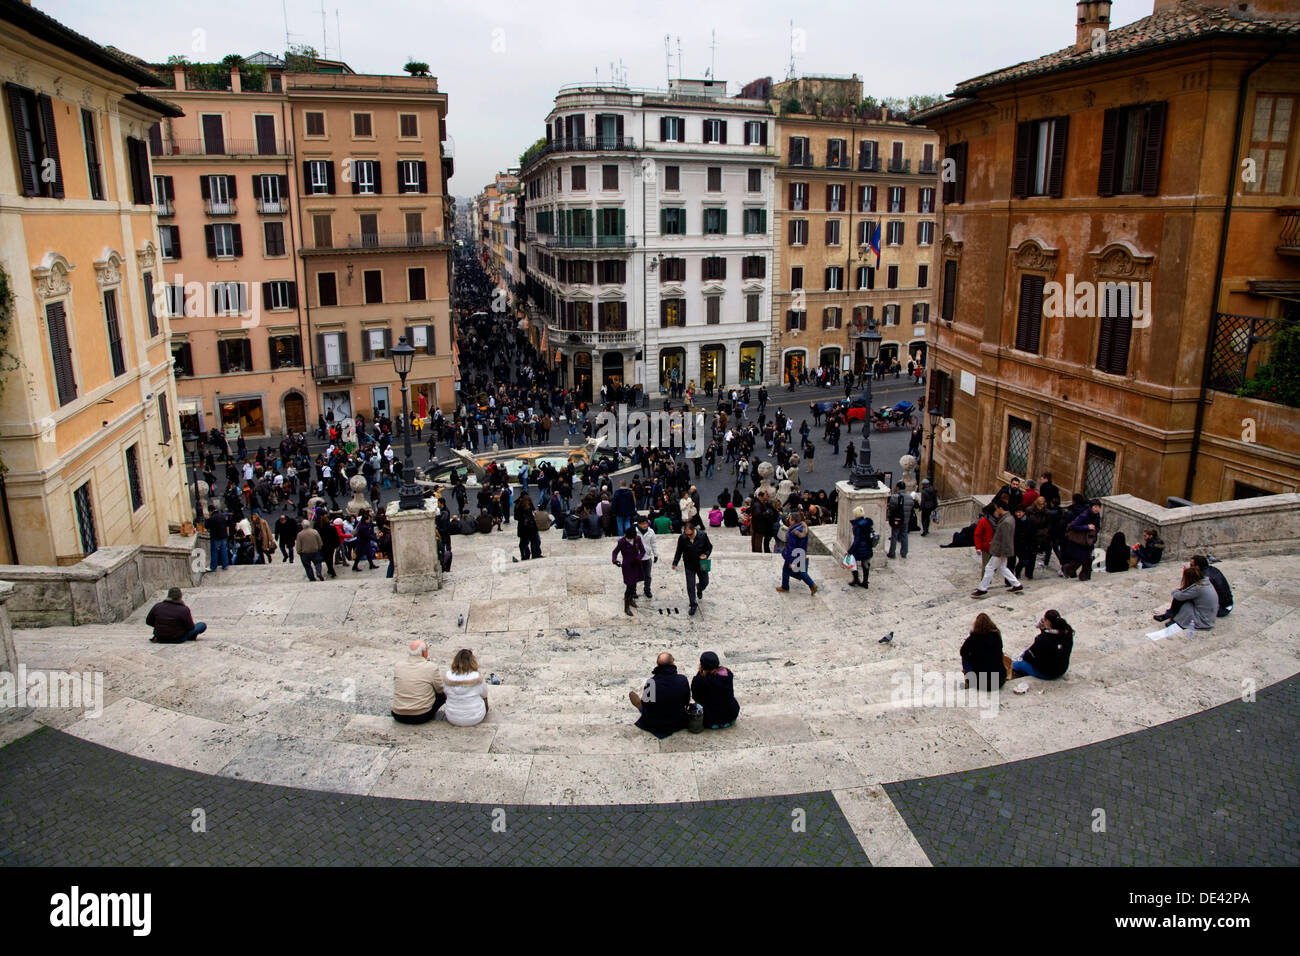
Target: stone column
[416, 567]
[8, 654]
[872, 501]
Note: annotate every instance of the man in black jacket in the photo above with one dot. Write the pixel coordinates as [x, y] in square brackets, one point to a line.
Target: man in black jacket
[218, 526]
[663, 699]
[929, 502]
[693, 545]
[1217, 581]
[172, 621]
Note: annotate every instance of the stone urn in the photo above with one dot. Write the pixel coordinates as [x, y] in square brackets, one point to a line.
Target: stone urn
[765, 471]
[908, 464]
[203, 496]
[358, 503]
[314, 502]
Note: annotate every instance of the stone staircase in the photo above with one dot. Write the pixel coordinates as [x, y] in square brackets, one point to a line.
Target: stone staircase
[291, 683]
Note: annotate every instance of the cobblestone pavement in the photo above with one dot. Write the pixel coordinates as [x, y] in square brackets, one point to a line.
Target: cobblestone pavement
[66, 802]
[1218, 788]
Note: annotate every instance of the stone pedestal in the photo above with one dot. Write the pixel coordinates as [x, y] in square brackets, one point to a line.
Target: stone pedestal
[9, 655]
[416, 568]
[872, 501]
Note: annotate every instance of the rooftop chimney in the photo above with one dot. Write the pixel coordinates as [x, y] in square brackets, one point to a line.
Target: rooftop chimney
[1093, 23]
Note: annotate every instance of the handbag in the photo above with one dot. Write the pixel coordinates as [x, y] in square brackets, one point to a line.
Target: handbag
[850, 563]
[695, 718]
[706, 564]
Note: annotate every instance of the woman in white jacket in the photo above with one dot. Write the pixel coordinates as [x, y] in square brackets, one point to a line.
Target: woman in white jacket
[466, 691]
[649, 541]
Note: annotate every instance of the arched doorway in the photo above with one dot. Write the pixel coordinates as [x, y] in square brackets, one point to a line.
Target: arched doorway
[294, 416]
[888, 352]
[612, 369]
[829, 359]
[713, 366]
[917, 352]
[582, 375]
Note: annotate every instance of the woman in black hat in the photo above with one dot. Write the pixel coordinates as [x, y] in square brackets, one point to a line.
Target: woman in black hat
[712, 689]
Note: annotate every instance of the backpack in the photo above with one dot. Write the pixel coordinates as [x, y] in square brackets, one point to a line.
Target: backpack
[895, 510]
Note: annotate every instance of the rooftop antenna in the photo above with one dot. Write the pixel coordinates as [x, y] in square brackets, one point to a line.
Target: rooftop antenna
[668, 58]
[338, 34]
[284, 7]
[324, 39]
[679, 58]
[713, 52]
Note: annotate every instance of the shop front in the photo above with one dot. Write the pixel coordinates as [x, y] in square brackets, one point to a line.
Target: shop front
[713, 366]
[247, 413]
[751, 363]
[672, 367]
[796, 362]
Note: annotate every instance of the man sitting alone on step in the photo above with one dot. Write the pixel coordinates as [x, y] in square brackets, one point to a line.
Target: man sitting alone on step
[172, 621]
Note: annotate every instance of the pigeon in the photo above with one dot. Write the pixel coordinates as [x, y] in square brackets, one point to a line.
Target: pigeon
[514, 559]
[570, 632]
[789, 663]
[460, 621]
[887, 639]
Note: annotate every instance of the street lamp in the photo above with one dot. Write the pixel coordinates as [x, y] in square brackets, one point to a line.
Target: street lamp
[934, 424]
[411, 497]
[863, 474]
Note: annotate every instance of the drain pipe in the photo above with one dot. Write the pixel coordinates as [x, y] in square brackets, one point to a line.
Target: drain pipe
[1218, 275]
[9, 521]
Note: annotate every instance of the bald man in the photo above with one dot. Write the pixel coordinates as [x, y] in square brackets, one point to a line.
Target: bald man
[663, 699]
[417, 686]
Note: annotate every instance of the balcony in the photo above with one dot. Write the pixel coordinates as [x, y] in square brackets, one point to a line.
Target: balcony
[395, 240]
[590, 242]
[588, 144]
[928, 169]
[839, 162]
[1288, 243]
[557, 337]
[218, 207]
[164, 207]
[332, 372]
[227, 147]
[801, 160]
[900, 165]
[272, 207]
[869, 165]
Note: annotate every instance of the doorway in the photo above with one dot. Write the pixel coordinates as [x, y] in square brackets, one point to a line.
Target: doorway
[713, 366]
[295, 413]
[672, 368]
[582, 375]
[379, 401]
[795, 362]
[339, 403]
[612, 368]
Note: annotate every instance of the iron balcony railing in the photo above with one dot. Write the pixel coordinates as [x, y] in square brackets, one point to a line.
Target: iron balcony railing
[1240, 346]
[164, 207]
[869, 165]
[927, 169]
[227, 147]
[1288, 243]
[557, 335]
[585, 144]
[216, 207]
[333, 371]
[272, 207]
[841, 163]
[802, 161]
[900, 165]
[590, 242]
[394, 240]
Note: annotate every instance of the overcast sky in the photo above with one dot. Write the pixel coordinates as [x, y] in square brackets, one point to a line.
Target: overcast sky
[501, 63]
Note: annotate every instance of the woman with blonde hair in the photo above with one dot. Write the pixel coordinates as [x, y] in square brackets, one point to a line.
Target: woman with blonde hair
[466, 691]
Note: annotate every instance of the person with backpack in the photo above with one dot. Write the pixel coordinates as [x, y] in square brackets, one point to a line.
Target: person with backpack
[864, 537]
[898, 513]
[929, 504]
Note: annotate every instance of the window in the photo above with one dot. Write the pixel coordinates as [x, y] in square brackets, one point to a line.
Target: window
[224, 241]
[114, 333]
[755, 133]
[897, 199]
[361, 125]
[1098, 471]
[1040, 157]
[713, 310]
[954, 173]
[890, 315]
[672, 178]
[713, 268]
[866, 199]
[922, 276]
[796, 320]
[673, 222]
[365, 177]
[375, 343]
[754, 182]
[37, 142]
[715, 131]
[862, 314]
[834, 197]
[235, 355]
[322, 228]
[368, 225]
[673, 270]
[286, 351]
[150, 308]
[1132, 141]
[925, 233]
[182, 360]
[672, 129]
[373, 283]
[1017, 456]
[229, 298]
[799, 151]
[715, 222]
[608, 176]
[798, 232]
[175, 295]
[894, 235]
[93, 167]
[672, 313]
[315, 124]
[613, 317]
[214, 134]
[218, 191]
[271, 193]
[925, 203]
[714, 179]
[412, 176]
[920, 313]
[1116, 334]
[169, 241]
[796, 277]
[164, 419]
[409, 125]
[610, 225]
[837, 154]
[280, 294]
[612, 272]
[868, 156]
[833, 232]
[273, 232]
[755, 222]
[1029, 319]
[866, 278]
[865, 228]
[319, 176]
[752, 302]
[137, 157]
[415, 291]
[832, 317]
[891, 277]
[835, 279]
[1269, 137]
[421, 338]
[85, 519]
[949, 299]
[133, 477]
[164, 194]
[56, 322]
[753, 267]
[799, 197]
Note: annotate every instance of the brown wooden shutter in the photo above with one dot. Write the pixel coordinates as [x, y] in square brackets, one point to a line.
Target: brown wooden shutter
[962, 149]
[306, 176]
[257, 187]
[60, 352]
[379, 177]
[210, 237]
[1030, 318]
[762, 134]
[422, 168]
[320, 347]
[205, 191]
[232, 187]
[176, 240]
[223, 355]
[663, 128]
[23, 137]
[293, 294]
[949, 289]
[1109, 138]
[1024, 144]
[150, 312]
[329, 176]
[722, 131]
[50, 141]
[238, 239]
[1152, 149]
[284, 189]
[266, 295]
[1056, 166]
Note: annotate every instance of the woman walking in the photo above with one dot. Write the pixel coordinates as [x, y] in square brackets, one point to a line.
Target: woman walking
[794, 555]
[632, 552]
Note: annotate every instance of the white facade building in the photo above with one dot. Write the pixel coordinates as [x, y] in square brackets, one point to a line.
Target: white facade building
[649, 220]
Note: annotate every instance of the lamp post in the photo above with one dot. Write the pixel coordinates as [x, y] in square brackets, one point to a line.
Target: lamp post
[863, 474]
[934, 424]
[411, 498]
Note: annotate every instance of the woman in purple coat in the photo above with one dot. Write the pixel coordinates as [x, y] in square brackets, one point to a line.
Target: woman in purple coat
[631, 550]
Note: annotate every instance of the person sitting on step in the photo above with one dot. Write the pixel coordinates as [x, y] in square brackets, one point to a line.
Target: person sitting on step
[1049, 656]
[663, 699]
[713, 689]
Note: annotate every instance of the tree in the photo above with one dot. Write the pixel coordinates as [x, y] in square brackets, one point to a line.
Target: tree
[1277, 378]
[416, 68]
[300, 58]
[532, 152]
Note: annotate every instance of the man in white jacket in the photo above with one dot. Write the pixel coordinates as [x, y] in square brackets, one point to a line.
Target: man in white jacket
[649, 541]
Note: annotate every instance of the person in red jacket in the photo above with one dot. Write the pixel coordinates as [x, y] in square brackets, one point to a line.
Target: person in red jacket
[983, 540]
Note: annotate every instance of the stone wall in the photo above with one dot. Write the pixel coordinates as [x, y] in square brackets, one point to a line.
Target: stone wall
[1250, 526]
[102, 588]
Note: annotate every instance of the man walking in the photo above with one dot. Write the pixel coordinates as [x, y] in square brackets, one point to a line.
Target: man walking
[1000, 551]
[624, 507]
[309, 546]
[929, 502]
[650, 542]
[898, 513]
[218, 525]
[694, 545]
